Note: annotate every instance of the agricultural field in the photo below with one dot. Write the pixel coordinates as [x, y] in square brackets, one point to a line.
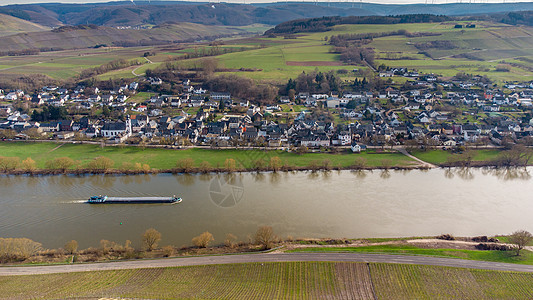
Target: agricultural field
[67, 64]
[294, 280]
[472, 50]
[159, 158]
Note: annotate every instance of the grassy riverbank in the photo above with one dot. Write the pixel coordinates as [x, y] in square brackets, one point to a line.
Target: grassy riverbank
[438, 157]
[295, 280]
[162, 159]
[525, 258]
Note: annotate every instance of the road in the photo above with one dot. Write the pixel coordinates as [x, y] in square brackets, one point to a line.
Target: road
[265, 257]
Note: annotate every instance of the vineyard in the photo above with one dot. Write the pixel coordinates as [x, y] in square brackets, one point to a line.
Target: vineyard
[294, 280]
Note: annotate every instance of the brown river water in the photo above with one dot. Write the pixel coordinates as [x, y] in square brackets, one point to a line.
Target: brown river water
[337, 204]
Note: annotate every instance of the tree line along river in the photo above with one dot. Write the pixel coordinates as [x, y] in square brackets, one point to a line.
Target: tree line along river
[350, 204]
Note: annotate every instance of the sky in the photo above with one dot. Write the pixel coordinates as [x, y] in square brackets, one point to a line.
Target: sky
[6, 2]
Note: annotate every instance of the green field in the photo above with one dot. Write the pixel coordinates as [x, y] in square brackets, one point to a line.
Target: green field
[486, 46]
[526, 257]
[480, 50]
[167, 158]
[293, 280]
[442, 156]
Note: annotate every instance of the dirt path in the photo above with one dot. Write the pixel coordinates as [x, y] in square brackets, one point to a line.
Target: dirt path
[138, 75]
[56, 148]
[424, 163]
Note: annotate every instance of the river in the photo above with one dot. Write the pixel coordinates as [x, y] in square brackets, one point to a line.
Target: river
[51, 209]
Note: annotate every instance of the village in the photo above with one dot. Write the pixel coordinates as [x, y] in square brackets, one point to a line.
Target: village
[431, 112]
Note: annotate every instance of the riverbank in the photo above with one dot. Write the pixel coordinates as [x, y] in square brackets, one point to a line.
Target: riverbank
[136, 160]
[48, 158]
[470, 248]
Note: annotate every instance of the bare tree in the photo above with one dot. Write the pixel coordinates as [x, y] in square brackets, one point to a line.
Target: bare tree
[100, 163]
[8, 163]
[71, 247]
[230, 165]
[29, 165]
[265, 237]
[520, 238]
[230, 240]
[150, 238]
[275, 163]
[185, 165]
[60, 163]
[203, 240]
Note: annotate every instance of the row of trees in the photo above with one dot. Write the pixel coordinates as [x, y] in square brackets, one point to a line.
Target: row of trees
[62, 164]
[313, 82]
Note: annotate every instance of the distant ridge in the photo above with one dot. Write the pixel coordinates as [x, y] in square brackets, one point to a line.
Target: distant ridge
[11, 25]
[157, 12]
[85, 36]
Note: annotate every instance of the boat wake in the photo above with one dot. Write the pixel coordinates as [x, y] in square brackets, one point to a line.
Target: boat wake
[75, 201]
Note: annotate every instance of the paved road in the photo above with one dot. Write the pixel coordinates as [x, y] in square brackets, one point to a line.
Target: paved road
[270, 257]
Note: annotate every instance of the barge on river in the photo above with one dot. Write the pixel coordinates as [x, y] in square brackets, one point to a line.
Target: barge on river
[133, 200]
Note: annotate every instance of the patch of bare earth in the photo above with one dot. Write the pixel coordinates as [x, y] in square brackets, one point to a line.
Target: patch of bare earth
[313, 63]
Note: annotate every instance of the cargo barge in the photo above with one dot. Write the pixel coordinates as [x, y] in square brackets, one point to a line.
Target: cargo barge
[132, 200]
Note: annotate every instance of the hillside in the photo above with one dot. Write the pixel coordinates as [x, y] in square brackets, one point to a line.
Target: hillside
[128, 14]
[10, 25]
[77, 37]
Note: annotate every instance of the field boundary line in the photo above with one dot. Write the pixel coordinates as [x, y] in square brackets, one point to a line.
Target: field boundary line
[371, 281]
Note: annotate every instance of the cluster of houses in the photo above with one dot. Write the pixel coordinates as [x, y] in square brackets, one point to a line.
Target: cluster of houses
[364, 119]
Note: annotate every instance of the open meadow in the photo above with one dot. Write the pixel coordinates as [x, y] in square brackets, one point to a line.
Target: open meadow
[160, 158]
[294, 280]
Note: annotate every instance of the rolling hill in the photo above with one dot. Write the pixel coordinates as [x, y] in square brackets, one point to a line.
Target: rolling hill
[10, 25]
[128, 14]
[85, 36]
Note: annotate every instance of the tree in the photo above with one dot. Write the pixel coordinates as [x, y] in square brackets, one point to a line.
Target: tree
[150, 238]
[230, 165]
[265, 237]
[520, 238]
[8, 163]
[60, 163]
[29, 165]
[203, 240]
[71, 247]
[230, 240]
[12, 249]
[205, 167]
[185, 165]
[275, 163]
[101, 163]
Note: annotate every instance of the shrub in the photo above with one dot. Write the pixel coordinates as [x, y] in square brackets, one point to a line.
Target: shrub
[447, 237]
[203, 240]
[17, 249]
[168, 251]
